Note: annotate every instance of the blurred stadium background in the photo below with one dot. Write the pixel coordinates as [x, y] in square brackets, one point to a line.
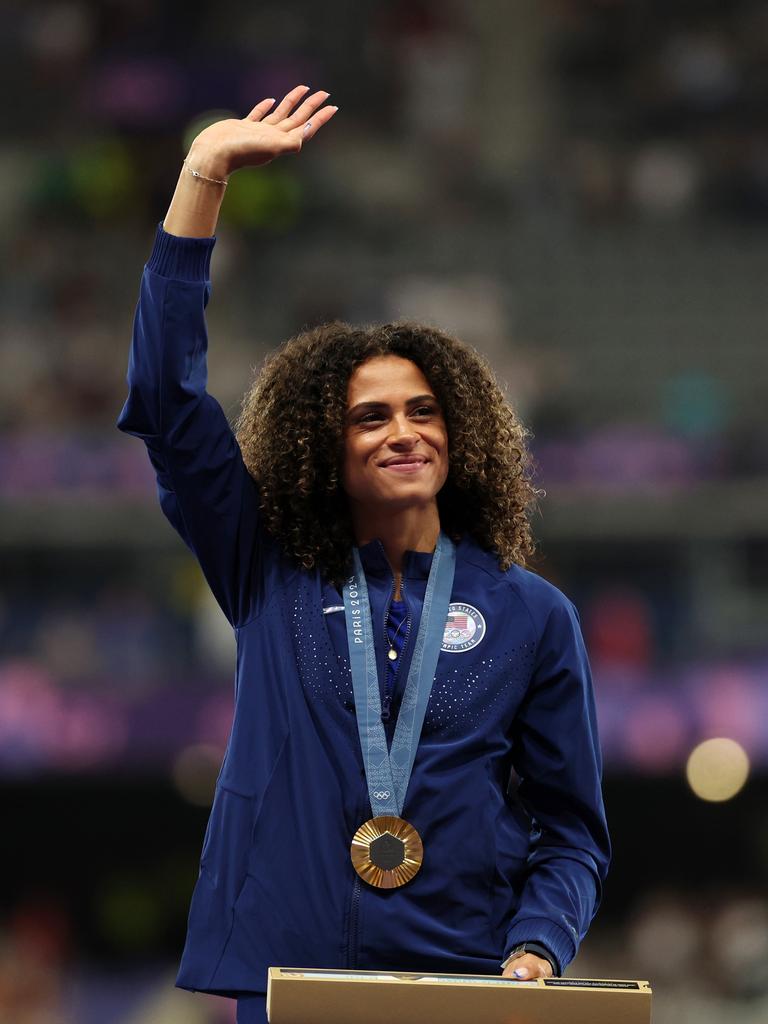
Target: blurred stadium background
[577, 187]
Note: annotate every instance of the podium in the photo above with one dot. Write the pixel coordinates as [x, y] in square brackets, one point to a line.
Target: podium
[307, 996]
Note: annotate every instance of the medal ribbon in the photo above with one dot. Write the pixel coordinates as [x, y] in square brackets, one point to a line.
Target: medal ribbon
[388, 772]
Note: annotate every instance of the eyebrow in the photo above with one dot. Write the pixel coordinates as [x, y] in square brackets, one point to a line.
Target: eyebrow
[385, 405]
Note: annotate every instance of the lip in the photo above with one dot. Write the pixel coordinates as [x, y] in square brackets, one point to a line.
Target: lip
[405, 468]
[404, 465]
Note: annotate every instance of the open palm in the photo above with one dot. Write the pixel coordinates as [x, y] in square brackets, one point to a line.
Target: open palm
[263, 135]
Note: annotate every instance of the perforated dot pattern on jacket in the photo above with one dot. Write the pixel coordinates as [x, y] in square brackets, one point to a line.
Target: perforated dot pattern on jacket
[469, 695]
[324, 673]
[473, 690]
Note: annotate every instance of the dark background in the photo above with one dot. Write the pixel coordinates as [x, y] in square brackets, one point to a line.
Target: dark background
[580, 189]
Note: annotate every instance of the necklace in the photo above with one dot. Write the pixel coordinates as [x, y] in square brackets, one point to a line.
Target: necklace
[392, 653]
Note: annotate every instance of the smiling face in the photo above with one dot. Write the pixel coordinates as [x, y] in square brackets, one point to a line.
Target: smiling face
[395, 438]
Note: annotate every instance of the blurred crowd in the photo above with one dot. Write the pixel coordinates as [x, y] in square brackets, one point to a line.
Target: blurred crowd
[666, 107]
[614, 115]
[120, 672]
[575, 187]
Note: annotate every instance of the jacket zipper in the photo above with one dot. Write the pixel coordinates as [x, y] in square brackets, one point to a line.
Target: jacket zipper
[354, 906]
[354, 917]
[386, 702]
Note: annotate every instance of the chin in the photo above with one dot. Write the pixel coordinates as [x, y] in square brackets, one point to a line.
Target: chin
[394, 495]
[407, 497]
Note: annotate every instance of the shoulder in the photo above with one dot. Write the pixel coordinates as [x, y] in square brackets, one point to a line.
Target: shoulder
[542, 599]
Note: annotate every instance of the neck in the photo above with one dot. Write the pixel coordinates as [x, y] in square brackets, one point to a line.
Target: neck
[408, 529]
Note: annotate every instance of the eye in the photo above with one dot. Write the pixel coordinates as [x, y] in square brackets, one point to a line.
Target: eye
[425, 410]
[370, 417]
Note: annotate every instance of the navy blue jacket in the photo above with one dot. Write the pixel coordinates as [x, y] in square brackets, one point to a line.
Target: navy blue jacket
[276, 883]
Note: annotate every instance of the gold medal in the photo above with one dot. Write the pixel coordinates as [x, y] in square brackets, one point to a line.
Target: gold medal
[386, 851]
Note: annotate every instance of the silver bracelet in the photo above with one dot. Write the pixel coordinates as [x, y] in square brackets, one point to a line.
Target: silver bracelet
[202, 177]
[517, 952]
[521, 950]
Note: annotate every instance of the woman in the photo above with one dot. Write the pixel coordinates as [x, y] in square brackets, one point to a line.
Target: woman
[397, 665]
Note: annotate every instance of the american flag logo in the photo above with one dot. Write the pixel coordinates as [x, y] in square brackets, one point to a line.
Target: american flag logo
[464, 628]
[459, 628]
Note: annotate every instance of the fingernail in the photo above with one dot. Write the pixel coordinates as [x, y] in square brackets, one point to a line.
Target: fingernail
[521, 972]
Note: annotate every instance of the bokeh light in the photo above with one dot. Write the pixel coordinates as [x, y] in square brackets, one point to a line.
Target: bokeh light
[717, 769]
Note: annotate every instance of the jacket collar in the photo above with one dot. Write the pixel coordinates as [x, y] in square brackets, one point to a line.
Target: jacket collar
[416, 564]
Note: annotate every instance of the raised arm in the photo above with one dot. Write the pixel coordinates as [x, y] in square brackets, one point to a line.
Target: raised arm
[204, 488]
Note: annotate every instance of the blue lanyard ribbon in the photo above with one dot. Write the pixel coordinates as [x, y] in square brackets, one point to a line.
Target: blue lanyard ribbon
[388, 772]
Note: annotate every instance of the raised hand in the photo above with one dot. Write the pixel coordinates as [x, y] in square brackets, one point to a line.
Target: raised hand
[265, 133]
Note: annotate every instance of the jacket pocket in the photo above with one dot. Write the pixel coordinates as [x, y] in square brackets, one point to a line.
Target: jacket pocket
[223, 867]
[290, 907]
[511, 837]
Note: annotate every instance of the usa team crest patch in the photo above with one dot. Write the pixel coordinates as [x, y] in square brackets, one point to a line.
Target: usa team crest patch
[464, 628]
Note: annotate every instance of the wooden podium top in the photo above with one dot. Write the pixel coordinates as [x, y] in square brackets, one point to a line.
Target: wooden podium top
[312, 996]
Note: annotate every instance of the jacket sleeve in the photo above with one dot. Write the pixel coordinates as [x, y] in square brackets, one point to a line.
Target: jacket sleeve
[557, 758]
[203, 486]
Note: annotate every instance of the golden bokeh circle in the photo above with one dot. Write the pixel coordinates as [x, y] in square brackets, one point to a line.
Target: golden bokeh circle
[717, 769]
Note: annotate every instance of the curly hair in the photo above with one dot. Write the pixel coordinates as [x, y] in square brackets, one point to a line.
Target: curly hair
[291, 434]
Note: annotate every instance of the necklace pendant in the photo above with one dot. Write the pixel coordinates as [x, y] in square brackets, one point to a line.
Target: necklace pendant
[392, 654]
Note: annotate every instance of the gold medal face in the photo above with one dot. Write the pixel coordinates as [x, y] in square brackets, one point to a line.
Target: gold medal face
[386, 852]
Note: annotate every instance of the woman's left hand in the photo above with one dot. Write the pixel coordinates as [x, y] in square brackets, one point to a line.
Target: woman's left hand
[533, 967]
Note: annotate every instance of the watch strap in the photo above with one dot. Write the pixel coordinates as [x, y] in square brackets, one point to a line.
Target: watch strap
[531, 947]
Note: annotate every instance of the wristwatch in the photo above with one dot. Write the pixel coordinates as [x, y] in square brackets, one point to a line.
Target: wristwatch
[531, 947]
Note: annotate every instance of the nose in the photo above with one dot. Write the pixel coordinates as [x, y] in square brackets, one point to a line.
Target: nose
[402, 432]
